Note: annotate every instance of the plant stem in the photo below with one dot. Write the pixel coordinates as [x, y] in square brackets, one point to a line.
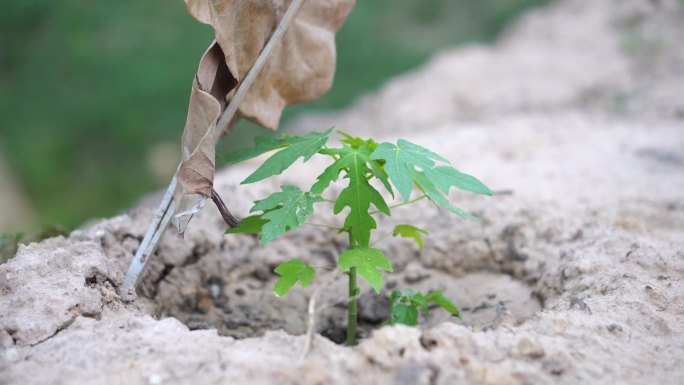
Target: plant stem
[230, 220]
[400, 204]
[352, 312]
[382, 237]
[352, 308]
[322, 225]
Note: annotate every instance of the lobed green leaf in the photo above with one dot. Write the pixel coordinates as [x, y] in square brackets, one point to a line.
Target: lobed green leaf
[251, 224]
[262, 145]
[404, 160]
[444, 302]
[284, 211]
[290, 272]
[359, 193]
[292, 148]
[367, 261]
[404, 314]
[418, 300]
[436, 196]
[409, 231]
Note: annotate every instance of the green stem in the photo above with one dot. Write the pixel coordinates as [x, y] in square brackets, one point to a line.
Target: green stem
[322, 225]
[352, 308]
[353, 295]
[382, 237]
[400, 204]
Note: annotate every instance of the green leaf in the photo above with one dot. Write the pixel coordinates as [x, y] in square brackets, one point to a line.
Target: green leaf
[404, 314]
[367, 262]
[290, 272]
[262, 145]
[293, 148]
[394, 297]
[403, 161]
[251, 224]
[285, 210]
[375, 165]
[358, 195]
[352, 141]
[409, 231]
[419, 300]
[436, 196]
[444, 302]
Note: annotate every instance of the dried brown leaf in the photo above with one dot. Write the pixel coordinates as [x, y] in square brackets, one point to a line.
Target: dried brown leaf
[300, 70]
[196, 172]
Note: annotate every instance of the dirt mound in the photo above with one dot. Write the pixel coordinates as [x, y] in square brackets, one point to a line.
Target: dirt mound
[574, 273]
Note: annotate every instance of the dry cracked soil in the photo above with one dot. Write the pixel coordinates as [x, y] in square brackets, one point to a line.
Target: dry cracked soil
[574, 273]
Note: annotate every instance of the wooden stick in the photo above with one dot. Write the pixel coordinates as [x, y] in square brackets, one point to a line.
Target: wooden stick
[162, 217]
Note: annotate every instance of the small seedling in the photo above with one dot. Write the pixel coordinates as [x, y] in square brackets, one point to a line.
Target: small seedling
[9, 242]
[8, 245]
[404, 306]
[404, 165]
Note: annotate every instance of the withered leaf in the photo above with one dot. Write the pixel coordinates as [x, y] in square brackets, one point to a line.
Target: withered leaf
[300, 70]
[196, 172]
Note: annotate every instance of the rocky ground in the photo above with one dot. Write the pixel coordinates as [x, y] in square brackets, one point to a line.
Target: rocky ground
[574, 274]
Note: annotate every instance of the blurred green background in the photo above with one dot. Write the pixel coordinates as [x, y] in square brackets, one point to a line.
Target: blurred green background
[93, 94]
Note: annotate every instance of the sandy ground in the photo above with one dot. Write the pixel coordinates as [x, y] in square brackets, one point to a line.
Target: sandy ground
[574, 274]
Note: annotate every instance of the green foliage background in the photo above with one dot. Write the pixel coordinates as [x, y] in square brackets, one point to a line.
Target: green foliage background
[88, 87]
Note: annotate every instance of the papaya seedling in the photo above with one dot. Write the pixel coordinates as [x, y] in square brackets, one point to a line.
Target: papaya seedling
[404, 166]
[404, 307]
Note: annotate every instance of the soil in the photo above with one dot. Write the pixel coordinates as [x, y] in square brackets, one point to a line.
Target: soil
[574, 273]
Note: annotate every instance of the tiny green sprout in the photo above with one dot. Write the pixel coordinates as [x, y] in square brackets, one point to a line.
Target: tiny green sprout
[404, 307]
[404, 166]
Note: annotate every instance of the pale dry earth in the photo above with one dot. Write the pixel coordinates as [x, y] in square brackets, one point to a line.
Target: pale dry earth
[573, 275]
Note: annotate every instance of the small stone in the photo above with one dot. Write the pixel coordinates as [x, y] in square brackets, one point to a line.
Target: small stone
[614, 328]
[155, 379]
[554, 367]
[530, 348]
[12, 355]
[578, 303]
[215, 290]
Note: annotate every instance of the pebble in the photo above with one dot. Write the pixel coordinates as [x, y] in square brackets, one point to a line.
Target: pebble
[529, 348]
[155, 379]
[12, 355]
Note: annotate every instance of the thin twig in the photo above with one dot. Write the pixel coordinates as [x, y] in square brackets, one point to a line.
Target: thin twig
[382, 237]
[161, 220]
[321, 225]
[311, 316]
[400, 204]
[310, 326]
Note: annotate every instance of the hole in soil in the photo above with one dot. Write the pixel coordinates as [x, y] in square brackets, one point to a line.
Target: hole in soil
[236, 299]
[492, 276]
